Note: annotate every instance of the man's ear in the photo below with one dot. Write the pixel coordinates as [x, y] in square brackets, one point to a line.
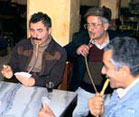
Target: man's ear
[106, 26]
[125, 70]
[49, 30]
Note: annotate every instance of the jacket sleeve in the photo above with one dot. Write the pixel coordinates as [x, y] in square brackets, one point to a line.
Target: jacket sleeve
[78, 39]
[14, 60]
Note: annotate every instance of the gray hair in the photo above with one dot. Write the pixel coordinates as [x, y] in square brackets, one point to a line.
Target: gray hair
[103, 20]
[125, 51]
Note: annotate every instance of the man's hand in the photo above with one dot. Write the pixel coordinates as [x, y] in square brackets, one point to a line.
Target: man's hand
[46, 112]
[83, 50]
[7, 71]
[26, 81]
[96, 105]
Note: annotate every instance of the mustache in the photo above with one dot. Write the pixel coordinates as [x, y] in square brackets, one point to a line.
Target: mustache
[92, 33]
[35, 38]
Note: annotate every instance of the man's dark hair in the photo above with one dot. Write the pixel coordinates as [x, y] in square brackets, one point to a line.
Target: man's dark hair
[125, 51]
[36, 17]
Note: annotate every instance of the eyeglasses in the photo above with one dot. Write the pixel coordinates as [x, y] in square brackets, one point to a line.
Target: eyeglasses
[90, 25]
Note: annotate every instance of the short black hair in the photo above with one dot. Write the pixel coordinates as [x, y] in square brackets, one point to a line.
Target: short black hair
[125, 51]
[36, 17]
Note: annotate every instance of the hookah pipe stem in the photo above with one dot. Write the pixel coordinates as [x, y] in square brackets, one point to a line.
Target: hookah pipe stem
[103, 90]
[104, 87]
[37, 48]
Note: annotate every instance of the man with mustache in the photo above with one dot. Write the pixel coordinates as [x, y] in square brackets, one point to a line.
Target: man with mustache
[39, 55]
[97, 29]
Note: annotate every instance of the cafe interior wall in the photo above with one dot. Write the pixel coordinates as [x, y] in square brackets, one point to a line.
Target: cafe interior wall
[89, 2]
[124, 3]
[113, 5]
[65, 14]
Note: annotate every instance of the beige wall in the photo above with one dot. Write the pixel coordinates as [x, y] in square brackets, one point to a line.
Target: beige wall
[124, 3]
[74, 17]
[113, 5]
[64, 15]
[89, 2]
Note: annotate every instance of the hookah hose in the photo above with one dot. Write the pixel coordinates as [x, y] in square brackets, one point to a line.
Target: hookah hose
[91, 79]
[88, 70]
[90, 76]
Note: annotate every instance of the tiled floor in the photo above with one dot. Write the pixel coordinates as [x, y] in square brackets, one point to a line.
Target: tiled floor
[4, 60]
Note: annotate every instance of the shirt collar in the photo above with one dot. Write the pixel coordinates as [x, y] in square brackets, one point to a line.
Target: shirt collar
[121, 92]
[102, 45]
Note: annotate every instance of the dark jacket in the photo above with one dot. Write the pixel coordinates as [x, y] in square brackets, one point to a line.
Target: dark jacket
[53, 62]
[79, 68]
